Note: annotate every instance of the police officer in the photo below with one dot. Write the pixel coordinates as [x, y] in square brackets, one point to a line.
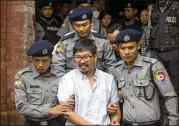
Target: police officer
[112, 32]
[140, 81]
[66, 26]
[48, 23]
[131, 19]
[61, 9]
[63, 58]
[36, 88]
[164, 40]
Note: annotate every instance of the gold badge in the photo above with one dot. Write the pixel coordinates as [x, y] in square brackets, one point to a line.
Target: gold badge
[18, 82]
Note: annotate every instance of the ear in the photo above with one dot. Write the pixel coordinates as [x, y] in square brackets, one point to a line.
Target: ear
[138, 44]
[135, 11]
[95, 57]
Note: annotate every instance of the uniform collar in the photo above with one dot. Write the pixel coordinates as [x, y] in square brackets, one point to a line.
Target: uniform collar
[83, 76]
[138, 62]
[91, 36]
[47, 21]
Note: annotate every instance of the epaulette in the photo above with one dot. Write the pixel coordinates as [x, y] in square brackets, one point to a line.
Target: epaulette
[99, 35]
[27, 69]
[148, 59]
[68, 36]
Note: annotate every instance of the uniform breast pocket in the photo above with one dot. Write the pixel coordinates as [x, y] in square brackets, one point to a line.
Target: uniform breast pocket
[70, 60]
[143, 88]
[99, 62]
[34, 96]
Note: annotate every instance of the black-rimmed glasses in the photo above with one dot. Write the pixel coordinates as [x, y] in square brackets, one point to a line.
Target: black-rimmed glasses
[85, 58]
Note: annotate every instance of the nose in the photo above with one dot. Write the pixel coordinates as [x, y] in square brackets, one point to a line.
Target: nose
[82, 60]
[126, 51]
[40, 64]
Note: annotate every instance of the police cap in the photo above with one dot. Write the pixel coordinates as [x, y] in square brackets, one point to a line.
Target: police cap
[127, 35]
[45, 3]
[40, 48]
[79, 14]
[78, 2]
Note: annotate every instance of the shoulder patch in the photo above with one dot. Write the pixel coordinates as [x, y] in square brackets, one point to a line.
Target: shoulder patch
[99, 35]
[18, 82]
[150, 60]
[68, 36]
[59, 48]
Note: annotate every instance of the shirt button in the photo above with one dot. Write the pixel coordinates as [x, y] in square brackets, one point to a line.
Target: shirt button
[129, 84]
[46, 102]
[131, 95]
[129, 72]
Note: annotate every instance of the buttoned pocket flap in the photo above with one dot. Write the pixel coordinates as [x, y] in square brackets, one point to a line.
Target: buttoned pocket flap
[55, 89]
[34, 90]
[141, 83]
[121, 82]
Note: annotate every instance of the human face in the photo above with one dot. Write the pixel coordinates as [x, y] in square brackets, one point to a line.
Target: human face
[106, 20]
[65, 9]
[87, 5]
[41, 63]
[82, 28]
[111, 37]
[130, 13]
[85, 61]
[144, 17]
[47, 11]
[128, 51]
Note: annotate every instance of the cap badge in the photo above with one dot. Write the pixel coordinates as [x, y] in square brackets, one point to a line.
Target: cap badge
[44, 51]
[84, 16]
[50, 4]
[126, 38]
[128, 5]
[88, 1]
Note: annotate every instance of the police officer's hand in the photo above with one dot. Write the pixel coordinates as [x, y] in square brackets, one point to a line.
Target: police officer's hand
[112, 108]
[114, 122]
[58, 109]
[71, 102]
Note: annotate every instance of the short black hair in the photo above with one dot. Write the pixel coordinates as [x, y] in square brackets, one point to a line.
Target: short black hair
[113, 27]
[85, 45]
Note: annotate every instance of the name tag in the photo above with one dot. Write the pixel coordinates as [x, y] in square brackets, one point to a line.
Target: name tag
[171, 19]
[34, 86]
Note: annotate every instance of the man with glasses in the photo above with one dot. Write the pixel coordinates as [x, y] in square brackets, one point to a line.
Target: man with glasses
[63, 58]
[93, 89]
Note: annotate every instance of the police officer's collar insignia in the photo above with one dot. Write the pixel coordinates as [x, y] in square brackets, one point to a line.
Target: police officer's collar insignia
[129, 5]
[84, 16]
[44, 51]
[71, 12]
[126, 38]
[50, 4]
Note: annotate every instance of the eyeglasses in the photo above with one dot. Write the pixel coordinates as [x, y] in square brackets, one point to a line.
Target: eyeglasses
[85, 58]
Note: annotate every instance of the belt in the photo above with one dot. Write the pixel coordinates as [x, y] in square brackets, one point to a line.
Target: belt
[151, 123]
[39, 123]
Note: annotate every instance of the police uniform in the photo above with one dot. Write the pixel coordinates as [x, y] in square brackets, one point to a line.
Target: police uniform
[132, 23]
[66, 26]
[140, 86]
[164, 38]
[63, 59]
[50, 26]
[35, 93]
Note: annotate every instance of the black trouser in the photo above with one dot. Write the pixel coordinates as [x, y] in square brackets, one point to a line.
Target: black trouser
[58, 121]
[152, 123]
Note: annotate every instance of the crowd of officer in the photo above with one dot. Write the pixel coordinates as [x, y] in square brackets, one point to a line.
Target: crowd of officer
[141, 53]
